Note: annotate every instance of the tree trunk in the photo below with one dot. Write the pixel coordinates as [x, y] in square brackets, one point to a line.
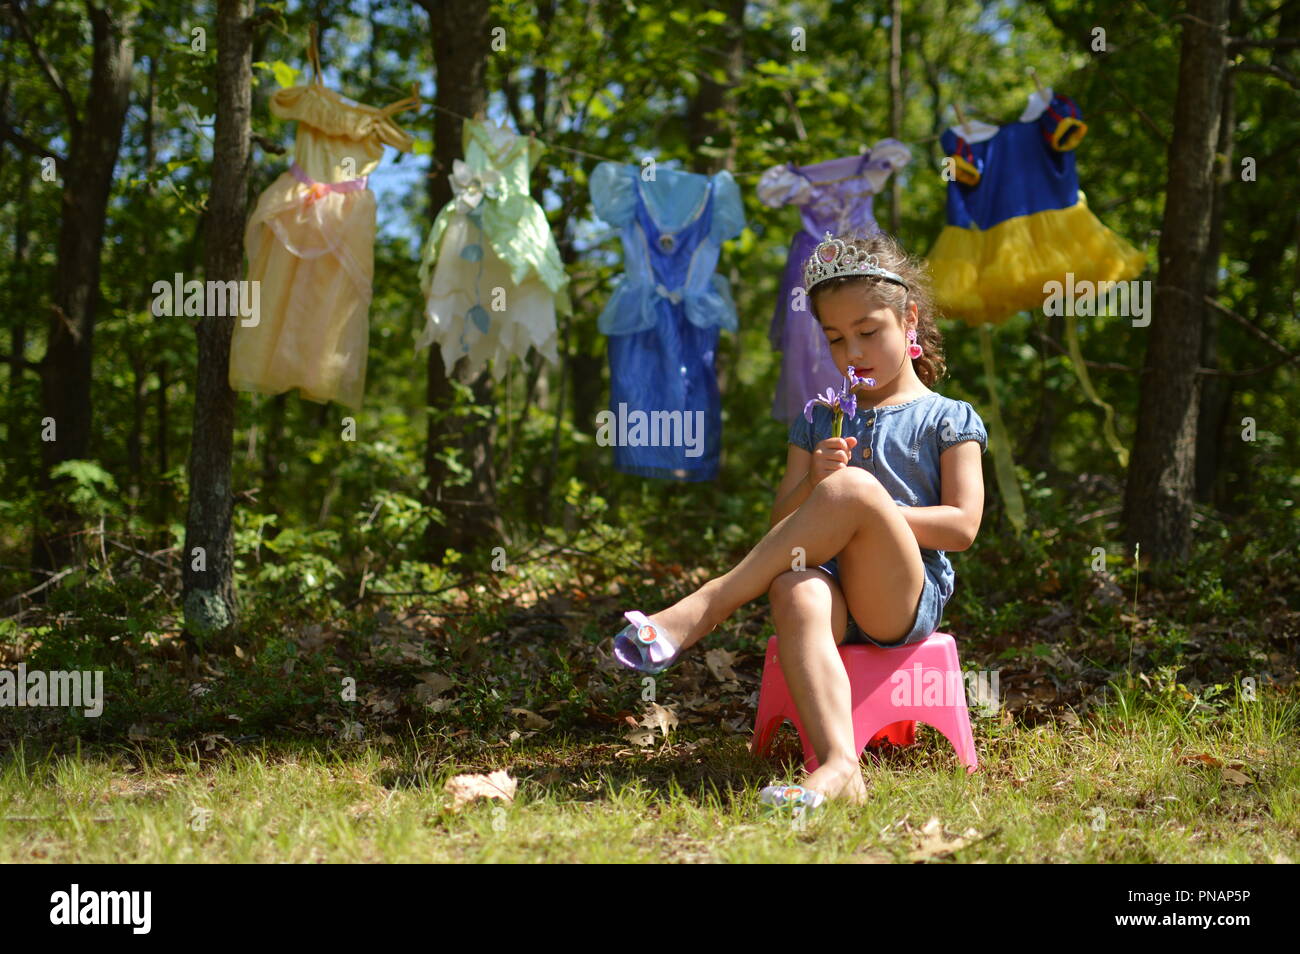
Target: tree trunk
[209, 585]
[712, 142]
[1158, 496]
[895, 107]
[1209, 425]
[461, 46]
[18, 294]
[139, 363]
[162, 495]
[94, 139]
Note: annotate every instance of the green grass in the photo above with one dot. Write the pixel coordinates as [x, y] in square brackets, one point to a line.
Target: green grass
[1125, 734]
[1120, 786]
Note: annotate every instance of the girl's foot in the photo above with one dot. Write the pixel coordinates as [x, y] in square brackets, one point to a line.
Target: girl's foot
[684, 623]
[839, 780]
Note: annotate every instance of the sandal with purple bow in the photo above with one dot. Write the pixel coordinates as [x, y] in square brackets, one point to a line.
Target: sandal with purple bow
[642, 646]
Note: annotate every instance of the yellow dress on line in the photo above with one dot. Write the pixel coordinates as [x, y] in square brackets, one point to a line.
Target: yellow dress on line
[312, 249]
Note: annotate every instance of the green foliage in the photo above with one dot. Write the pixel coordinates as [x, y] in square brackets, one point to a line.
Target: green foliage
[285, 75]
[89, 486]
[304, 564]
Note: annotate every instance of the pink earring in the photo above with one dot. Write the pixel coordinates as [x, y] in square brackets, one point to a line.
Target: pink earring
[913, 349]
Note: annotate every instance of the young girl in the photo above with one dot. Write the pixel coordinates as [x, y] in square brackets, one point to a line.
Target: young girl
[870, 513]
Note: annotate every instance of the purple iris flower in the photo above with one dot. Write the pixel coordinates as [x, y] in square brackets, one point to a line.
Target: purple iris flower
[856, 379]
[844, 404]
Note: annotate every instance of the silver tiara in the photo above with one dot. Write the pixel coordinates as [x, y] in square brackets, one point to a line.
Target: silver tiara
[833, 258]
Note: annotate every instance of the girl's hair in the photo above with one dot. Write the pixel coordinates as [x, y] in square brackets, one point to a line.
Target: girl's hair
[930, 367]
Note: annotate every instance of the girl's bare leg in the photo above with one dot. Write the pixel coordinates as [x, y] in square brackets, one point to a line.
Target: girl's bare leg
[846, 506]
[809, 610]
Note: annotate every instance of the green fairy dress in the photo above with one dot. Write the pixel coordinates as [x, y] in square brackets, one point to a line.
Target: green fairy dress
[491, 273]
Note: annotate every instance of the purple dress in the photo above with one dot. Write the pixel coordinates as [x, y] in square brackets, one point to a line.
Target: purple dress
[833, 196]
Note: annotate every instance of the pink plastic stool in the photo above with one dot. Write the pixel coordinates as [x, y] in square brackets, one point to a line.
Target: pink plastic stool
[892, 690]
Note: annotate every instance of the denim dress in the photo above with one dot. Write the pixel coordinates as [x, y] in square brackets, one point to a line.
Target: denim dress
[900, 445]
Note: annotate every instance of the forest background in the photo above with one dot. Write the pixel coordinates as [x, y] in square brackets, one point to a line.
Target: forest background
[464, 550]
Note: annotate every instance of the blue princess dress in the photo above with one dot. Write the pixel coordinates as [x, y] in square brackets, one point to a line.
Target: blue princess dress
[664, 315]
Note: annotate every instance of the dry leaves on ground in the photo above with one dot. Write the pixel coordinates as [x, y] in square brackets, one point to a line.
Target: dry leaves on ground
[660, 717]
[1231, 772]
[719, 662]
[465, 788]
[932, 843]
[531, 719]
[656, 717]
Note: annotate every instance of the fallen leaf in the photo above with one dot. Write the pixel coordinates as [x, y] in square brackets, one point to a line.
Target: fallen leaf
[933, 844]
[660, 717]
[531, 719]
[1234, 777]
[435, 683]
[719, 662]
[1201, 757]
[383, 702]
[740, 725]
[466, 788]
[314, 637]
[641, 737]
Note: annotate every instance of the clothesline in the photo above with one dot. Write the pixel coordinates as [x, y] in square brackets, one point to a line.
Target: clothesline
[313, 335]
[593, 155]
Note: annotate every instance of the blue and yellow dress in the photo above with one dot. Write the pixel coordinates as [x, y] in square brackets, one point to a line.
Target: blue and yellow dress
[1016, 216]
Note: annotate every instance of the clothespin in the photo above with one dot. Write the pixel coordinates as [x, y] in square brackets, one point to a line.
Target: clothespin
[961, 120]
[1033, 73]
[313, 52]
